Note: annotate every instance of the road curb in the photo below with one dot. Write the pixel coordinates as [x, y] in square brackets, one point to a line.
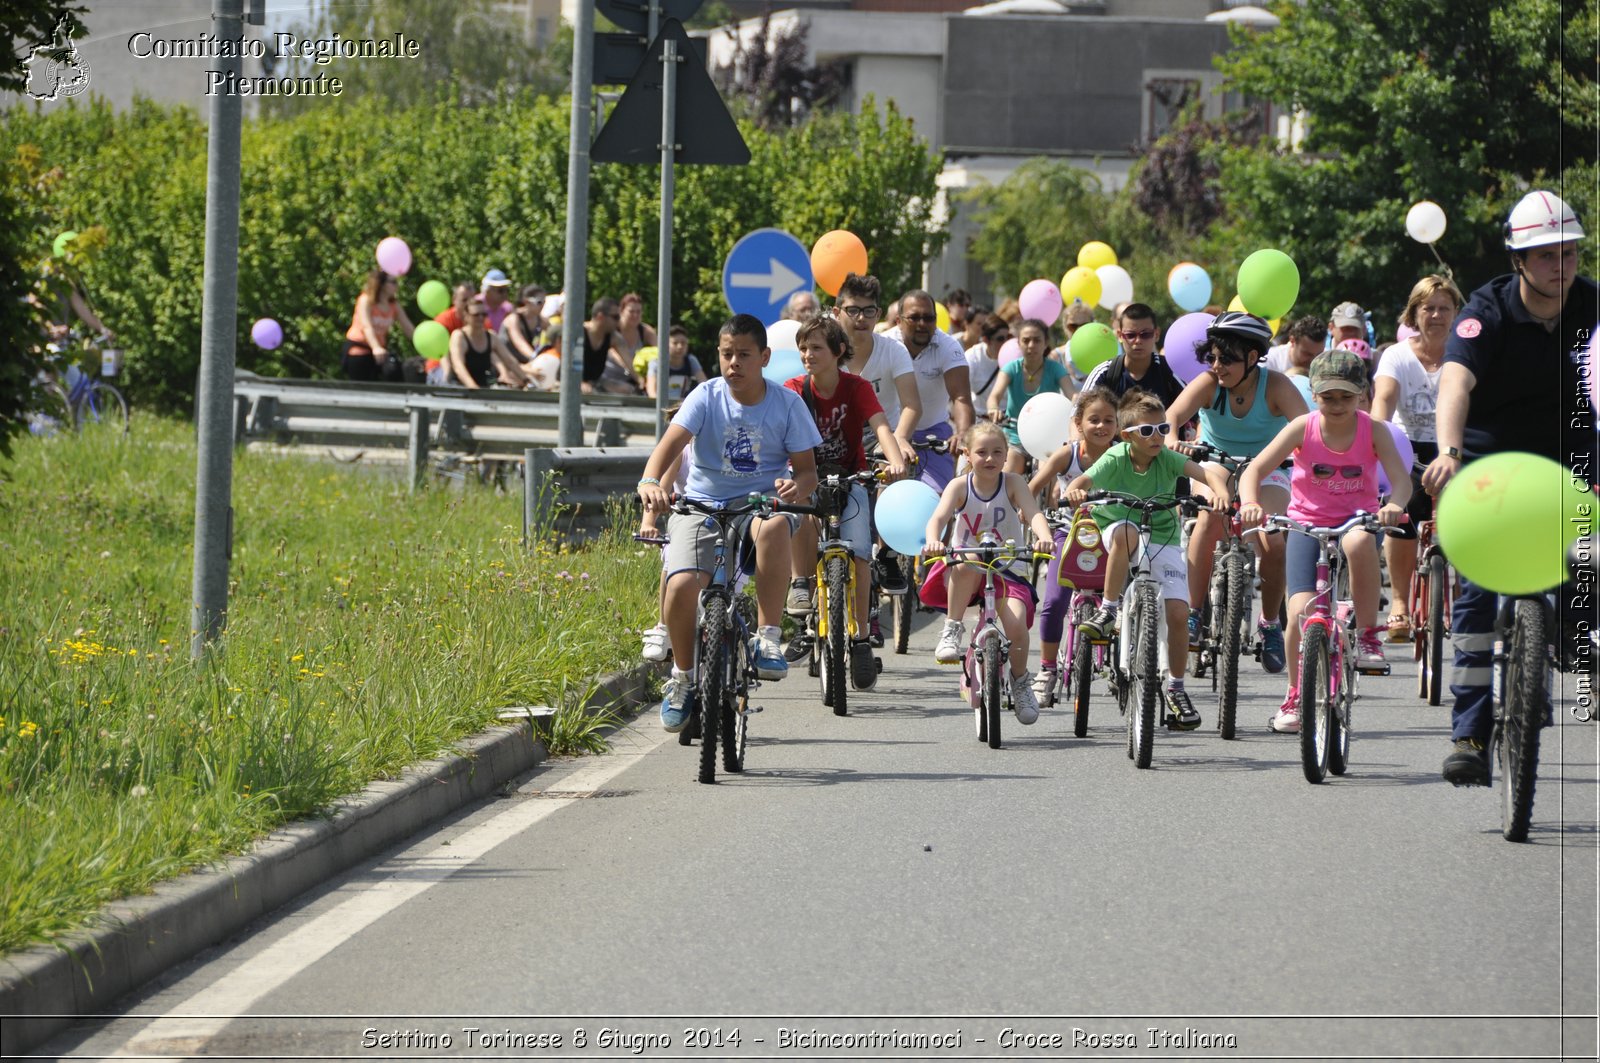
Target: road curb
[45, 989]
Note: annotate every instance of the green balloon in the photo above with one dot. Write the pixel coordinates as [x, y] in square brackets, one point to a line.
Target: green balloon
[60, 245]
[1506, 521]
[433, 297]
[1092, 344]
[1269, 283]
[432, 340]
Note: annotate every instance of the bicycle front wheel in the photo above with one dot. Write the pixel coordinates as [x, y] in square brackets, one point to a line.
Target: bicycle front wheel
[836, 578]
[1316, 709]
[1144, 628]
[905, 605]
[990, 652]
[1082, 677]
[714, 662]
[1521, 713]
[103, 409]
[1438, 573]
[1235, 598]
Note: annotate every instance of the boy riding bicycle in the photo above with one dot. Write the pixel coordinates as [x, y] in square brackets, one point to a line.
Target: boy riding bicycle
[743, 436]
[1143, 466]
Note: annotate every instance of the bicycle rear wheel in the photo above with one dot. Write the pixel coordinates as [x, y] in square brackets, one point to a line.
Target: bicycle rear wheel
[714, 664]
[1343, 709]
[1316, 710]
[103, 409]
[1438, 573]
[1520, 714]
[1235, 594]
[836, 654]
[905, 605]
[1143, 629]
[1082, 678]
[989, 651]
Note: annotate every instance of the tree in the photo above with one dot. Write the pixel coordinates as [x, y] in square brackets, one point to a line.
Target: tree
[1468, 103]
[770, 82]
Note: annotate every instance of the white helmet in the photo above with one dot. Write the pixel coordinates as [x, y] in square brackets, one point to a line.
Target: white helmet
[1541, 218]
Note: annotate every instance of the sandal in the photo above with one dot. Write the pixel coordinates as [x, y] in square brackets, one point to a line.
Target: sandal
[1400, 628]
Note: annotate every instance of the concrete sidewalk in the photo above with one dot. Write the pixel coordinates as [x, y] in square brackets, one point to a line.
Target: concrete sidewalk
[45, 989]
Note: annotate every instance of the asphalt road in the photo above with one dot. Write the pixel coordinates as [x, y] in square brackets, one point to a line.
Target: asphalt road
[882, 885]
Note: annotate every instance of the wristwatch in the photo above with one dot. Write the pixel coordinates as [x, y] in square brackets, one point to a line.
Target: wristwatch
[1451, 452]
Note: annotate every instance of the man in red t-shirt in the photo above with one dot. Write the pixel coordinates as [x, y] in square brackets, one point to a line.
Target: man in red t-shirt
[844, 406]
[451, 317]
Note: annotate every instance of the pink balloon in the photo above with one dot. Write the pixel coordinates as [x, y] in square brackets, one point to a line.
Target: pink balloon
[1404, 332]
[266, 334]
[1186, 333]
[1402, 443]
[1040, 299]
[394, 257]
[1009, 352]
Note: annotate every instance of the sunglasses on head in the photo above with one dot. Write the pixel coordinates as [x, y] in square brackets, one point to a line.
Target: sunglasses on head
[1148, 430]
[1320, 471]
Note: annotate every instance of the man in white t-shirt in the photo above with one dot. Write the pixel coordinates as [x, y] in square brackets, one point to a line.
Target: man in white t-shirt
[943, 383]
[877, 357]
[1307, 337]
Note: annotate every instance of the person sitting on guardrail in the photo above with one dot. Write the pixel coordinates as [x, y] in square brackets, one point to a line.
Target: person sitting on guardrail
[602, 349]
[746, 436]
[366, 354]
[495, 289]
[477, 357]
[523, 329]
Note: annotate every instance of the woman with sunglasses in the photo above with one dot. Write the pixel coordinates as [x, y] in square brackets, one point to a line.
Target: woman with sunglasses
[1336, 456]
[1243, 406]
[477, 357]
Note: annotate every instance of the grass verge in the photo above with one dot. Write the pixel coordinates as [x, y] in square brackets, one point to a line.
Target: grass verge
[368, 629]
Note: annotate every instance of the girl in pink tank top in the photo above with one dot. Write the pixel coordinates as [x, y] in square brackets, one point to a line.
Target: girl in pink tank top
[1336, 457]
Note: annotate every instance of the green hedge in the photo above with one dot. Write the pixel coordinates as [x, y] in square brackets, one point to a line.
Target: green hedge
[468, 189]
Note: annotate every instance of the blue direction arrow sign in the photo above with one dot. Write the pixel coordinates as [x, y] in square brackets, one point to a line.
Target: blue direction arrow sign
[763, 269]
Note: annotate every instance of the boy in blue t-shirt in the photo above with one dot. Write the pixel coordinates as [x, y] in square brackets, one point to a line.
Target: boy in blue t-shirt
[743, 436]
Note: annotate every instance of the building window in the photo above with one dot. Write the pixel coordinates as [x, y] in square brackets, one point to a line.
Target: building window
[541, 31]
[1165, 99]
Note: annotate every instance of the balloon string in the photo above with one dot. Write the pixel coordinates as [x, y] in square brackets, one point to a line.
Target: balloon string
[1448, 272]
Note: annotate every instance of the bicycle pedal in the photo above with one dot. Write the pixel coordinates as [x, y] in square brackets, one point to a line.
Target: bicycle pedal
[750, 710]
[1372, 669]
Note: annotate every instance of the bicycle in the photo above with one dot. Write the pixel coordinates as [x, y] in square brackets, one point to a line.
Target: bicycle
[90, 401]
[1328, 666]
[1084, 658]
[1138, 646]
[1429, 598]
[986, 667]
[1227, 614]
[724, 650]
[831, 624]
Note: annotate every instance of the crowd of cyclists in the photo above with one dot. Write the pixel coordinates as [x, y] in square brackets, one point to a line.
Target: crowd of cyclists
[1501, 369]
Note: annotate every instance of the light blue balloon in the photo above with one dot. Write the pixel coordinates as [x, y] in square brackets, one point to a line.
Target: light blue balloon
[1190, 286]
[902, 514]
[784, 365]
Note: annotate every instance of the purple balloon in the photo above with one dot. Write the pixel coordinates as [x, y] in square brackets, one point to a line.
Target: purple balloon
[1010, 351]
[1402, 443]
[1040, 299]
[266, 334]
[1186, 333]
[1403, 333]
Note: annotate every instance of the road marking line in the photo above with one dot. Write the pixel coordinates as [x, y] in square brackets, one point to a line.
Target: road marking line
[185, 1029]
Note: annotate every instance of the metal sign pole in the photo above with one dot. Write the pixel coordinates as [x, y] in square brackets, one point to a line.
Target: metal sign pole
[669, 147]
[213, 497]
[574, 307]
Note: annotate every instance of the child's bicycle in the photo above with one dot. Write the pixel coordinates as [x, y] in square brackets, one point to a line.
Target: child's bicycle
[1138, 653]
[1227, 614]
[1429, 598]
[1328, 667]
[724, 650]
[831, 625]
[986, 668]
[1083, 568]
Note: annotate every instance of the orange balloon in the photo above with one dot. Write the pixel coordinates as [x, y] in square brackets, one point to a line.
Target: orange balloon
[838, 253]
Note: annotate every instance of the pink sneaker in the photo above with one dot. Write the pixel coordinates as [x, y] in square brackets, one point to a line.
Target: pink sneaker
[1369, 647]
[1287, 721]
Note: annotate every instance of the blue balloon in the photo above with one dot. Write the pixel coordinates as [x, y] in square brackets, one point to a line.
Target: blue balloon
[784, 365]
[902, 514]
[1189, 285]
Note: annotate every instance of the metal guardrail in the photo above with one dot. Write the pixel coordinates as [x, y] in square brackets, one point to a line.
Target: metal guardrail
[419, 418]
[571, 485]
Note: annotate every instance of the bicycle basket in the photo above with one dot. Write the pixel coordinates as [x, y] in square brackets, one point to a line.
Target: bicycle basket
[1083, 556]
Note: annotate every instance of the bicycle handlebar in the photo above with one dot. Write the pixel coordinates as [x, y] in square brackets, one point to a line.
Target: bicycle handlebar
[1362, 519]
[1188, 503]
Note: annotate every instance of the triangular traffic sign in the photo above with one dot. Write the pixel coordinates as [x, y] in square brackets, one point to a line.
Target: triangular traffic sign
[706, 132]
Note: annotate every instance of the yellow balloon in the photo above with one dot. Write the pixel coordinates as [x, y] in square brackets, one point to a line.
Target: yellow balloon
[941, 314]
[1237, 304]
[1274, 323]
[1081, 282]
[1095, 254]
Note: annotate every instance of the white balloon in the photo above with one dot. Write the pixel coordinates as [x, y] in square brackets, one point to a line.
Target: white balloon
[1425, 221]
[1116, 286]
[782, 335]
[1044, 424]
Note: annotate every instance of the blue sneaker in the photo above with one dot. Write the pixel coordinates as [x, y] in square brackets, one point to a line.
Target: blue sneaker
[769, 658]
[677, 704]
[1272, 657]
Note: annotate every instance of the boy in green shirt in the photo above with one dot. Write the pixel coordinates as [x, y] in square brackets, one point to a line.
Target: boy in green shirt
[1144, 467]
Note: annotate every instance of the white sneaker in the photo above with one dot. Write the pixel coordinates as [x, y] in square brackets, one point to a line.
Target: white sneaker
[950, 649]
[1023, 702]
[1287, 719]
[1045, 680]
[657, 644]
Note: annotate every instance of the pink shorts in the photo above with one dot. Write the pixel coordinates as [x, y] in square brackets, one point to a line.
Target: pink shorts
[935, 592]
